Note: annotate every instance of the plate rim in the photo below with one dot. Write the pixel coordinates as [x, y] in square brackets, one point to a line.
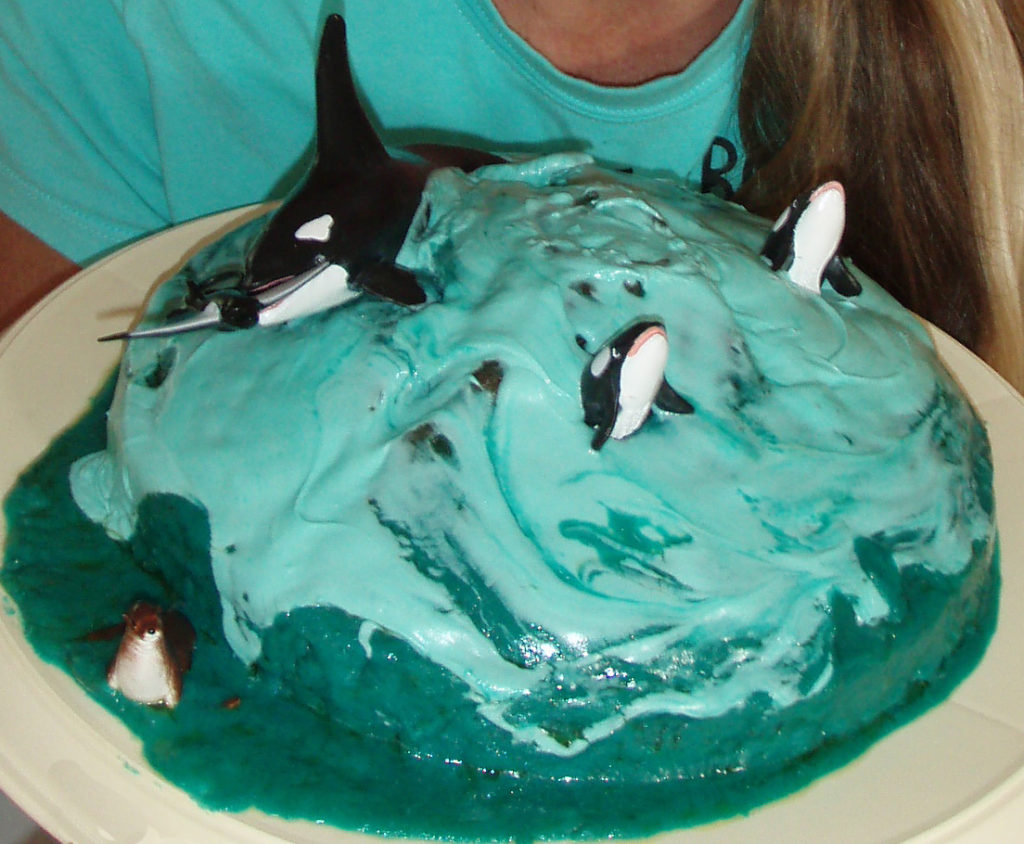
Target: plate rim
[1001, 804]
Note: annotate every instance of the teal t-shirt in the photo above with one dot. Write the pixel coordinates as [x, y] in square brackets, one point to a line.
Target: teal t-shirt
[121, 117]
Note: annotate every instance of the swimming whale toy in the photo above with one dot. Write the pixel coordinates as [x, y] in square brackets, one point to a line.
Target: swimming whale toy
[804, 242]
[337, 235]
[624, 379]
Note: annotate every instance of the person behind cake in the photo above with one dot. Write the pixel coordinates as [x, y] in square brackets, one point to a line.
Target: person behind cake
[119, 123]
[794, 550]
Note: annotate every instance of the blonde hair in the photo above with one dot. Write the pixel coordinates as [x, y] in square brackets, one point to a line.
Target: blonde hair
[987, 74]
[918, 107]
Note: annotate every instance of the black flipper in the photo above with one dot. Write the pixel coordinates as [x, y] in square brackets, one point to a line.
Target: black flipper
[841, 279]
[600, 407]
[669, 400]
[390, 282]
[601, 435]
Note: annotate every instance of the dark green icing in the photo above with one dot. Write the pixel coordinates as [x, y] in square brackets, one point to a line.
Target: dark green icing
[392, 744]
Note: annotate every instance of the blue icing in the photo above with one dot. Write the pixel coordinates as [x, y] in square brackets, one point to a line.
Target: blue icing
[428, 471]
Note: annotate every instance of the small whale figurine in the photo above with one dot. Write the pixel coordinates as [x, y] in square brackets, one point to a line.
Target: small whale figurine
[804, 241]
[338, 234]
[154, 654]
[623, 380]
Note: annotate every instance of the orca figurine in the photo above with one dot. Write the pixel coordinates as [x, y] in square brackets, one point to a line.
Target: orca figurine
[337, 235]
[804, 241]
[623, 380]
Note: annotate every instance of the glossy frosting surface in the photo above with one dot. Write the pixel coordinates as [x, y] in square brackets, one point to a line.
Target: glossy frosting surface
[428, 470]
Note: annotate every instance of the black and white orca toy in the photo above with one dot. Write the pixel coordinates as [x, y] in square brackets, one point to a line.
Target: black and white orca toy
[804, 242]
[337, 235]
[624, 379]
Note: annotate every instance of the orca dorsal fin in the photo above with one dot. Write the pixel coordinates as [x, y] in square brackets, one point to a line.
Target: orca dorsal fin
[345, 138]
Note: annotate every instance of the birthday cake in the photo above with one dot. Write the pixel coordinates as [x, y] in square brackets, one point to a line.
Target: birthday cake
[597, 508]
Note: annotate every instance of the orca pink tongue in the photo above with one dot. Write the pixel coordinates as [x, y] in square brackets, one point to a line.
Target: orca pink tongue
[649, 334]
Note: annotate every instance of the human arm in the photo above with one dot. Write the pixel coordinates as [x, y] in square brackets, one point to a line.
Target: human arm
[73, 146]
[117, 125]
[29, 269]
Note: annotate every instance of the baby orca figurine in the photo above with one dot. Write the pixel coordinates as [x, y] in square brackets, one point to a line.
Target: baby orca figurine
[623, 380]
[804, 241]
[337, 235]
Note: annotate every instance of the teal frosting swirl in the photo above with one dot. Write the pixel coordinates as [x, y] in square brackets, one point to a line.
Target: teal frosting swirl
[428, 471]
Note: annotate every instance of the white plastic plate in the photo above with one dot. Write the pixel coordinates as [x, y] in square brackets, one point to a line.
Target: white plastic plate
[955, 774]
